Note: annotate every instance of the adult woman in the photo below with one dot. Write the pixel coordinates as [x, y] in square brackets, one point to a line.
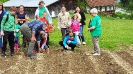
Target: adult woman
[2, 13]
[64, 21]
[41, 9]
[95, 30]
[21, 17]
[82, 21]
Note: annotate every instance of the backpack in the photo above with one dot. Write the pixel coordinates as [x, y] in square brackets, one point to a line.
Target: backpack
[8, 18]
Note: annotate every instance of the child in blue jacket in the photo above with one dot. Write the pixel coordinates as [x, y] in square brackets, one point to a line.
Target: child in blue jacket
[70, 40]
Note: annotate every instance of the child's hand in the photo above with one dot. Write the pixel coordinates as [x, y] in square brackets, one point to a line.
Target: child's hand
[66, 46]
[17, 30]
[68, 41]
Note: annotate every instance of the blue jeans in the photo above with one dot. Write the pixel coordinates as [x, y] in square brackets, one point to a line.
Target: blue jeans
[16, 40]
[81, 33]
[1, 44]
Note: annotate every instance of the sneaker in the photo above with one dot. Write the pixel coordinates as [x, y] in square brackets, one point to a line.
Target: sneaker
[15, 47]
[84, 43]
[47, 51]
[97, 54]
[12, 53]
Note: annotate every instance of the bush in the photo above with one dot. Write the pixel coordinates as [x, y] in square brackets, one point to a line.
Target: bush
[121, 15]
[131, 17]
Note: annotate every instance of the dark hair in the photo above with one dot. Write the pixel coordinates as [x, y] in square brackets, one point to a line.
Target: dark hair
[41, 2]
[2, 5]
[13, 8]
[21, 6]
[78, 7]
[70, 31]
[63, 6]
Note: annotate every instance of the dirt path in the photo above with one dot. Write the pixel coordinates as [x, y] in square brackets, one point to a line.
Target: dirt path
[122, 62]
[68, 62]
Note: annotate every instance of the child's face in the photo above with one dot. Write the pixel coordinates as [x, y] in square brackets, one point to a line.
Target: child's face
[70, 34]
[44, 14]
[75, 17]
[13, 12]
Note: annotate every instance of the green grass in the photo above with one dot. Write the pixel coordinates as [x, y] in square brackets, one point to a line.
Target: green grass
[115, 33]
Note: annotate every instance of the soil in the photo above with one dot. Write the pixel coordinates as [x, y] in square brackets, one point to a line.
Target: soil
[69, 62]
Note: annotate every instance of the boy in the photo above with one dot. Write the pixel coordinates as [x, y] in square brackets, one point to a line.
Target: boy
[7, 30]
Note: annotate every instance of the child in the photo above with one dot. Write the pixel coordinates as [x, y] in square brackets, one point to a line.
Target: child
[17, 35]
[69, 41]
[75, 27]
[7, 30]
[43, 36]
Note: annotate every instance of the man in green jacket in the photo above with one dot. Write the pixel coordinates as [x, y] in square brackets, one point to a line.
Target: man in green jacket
[7, 30]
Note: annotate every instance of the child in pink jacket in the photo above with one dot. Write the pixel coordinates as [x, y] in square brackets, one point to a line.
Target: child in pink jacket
[75, 27]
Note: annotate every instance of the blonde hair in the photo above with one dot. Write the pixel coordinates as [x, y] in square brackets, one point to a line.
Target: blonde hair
[74, 15]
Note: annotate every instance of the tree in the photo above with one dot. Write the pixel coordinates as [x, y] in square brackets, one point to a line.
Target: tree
[2, 1]
[82, 4]
[124, 3]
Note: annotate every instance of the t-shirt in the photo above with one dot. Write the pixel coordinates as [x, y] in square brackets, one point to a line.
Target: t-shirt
[96, 22]
[41, 10]
[21, 16]
[17, 28]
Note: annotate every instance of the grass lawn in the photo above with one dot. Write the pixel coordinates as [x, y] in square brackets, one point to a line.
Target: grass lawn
[116, 33]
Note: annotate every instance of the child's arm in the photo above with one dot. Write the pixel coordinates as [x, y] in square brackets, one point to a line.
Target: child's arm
[2, 24]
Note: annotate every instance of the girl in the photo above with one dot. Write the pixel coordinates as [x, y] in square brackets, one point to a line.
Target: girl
[17, 35]
[43, 36]
[69, 41]
[75, 27]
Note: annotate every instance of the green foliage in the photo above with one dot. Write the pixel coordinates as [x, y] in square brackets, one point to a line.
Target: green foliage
[131, 17]
[130, 6]
[121, 16]
[82, 4]
[2, 1]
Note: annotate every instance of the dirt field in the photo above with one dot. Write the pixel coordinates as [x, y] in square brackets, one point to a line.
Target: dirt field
[68, 62]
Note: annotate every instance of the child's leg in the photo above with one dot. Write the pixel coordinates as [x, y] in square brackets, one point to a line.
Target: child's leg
[61, 43]
[47, 43]
[11, 42]
[72, 46]
[47, 49]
